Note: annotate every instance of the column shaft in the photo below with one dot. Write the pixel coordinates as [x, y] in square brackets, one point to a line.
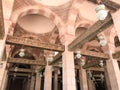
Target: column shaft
[112, 68]
[56, 79]
[48, 78]
[38, 82]
[83, 79]
[69, 82]
[32, 83]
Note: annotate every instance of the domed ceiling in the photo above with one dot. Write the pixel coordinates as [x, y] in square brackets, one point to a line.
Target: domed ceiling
[36, 24]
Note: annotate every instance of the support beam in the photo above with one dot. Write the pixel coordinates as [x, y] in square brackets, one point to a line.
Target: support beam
[91, 68]
[94, 54]
[18, 74]
[26, 61]
[34, 43]
[2, 31]
[111, 4]
[103, 56]
[96, 28]
[91, 64]
[22, 70]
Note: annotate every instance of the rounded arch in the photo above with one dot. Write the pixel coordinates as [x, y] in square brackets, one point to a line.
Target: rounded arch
[38, 10]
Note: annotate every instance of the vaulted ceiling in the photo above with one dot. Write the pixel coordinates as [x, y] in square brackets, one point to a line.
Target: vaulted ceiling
[32, 25]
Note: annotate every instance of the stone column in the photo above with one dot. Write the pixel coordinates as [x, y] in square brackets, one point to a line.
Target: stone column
[56, 79]
[108, 87]
[38, 81]
[3, 73]
[112, 68]
[91, 84]
[32, 86]
[7, 6]
[68, 76]
[48, 78]
[83, 79]
[4, 81]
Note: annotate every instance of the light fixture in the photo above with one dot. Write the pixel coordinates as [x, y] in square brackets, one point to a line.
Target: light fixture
[101, 12]
[60, 64]
[102, 77]
[82, 62]
[41, 75]
[22, 53]
[59, 72]
[100, 37]
[102, 41]
[101, 63]
[50, 58]
[78, 55]
[16, 69]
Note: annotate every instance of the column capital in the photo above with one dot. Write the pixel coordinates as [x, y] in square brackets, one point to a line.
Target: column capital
[67, 38]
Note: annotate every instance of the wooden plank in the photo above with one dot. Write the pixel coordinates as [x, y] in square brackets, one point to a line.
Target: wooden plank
[22, 70]
[2, 31]
[103, 56]
[91, 64]
[96, 28]
[96, 69]
[18, 74]
[26, 61]
[34, 43]
[91, 68]
[56, 59]
[111, 4]
[95, 54]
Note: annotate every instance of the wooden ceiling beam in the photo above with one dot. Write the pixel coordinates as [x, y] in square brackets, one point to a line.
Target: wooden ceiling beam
[2, 31]
[26, 61]
[95, 54]
[91, 64]
[99, 55]
[19, 74]
[111, 4]
[96, 28]
[34, 43]
[22, 70]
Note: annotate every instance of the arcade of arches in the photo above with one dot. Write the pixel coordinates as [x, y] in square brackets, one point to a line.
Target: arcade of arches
[59, 45]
